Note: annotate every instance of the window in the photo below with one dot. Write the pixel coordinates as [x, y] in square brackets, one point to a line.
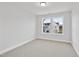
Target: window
[53, 25]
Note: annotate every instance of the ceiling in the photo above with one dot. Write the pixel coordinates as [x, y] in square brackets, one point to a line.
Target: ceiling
[52, 7]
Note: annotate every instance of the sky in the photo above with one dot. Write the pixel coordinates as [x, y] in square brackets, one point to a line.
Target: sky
[55, 19]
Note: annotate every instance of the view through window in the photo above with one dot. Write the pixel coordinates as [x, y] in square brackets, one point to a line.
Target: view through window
[53, 25]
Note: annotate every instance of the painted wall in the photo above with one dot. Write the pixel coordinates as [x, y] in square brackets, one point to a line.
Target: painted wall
[75, 28]
[67, 27]
[16, 25]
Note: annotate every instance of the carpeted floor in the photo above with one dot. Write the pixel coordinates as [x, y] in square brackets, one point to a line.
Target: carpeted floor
[43, 48]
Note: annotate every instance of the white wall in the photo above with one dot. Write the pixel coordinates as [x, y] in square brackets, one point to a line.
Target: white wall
[67, 28]
[16, 25]
[1, 32]
[75, 28]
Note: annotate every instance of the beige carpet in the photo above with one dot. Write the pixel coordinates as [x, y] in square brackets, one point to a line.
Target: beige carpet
[42, 48]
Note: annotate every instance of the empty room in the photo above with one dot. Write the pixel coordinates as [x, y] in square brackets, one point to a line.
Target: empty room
[39, 29]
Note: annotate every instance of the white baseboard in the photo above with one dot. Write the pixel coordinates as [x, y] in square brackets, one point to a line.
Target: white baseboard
[75, 49]
[56, 40]
[15, 46]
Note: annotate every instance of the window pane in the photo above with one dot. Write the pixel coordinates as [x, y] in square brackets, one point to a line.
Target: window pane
[53, 25]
